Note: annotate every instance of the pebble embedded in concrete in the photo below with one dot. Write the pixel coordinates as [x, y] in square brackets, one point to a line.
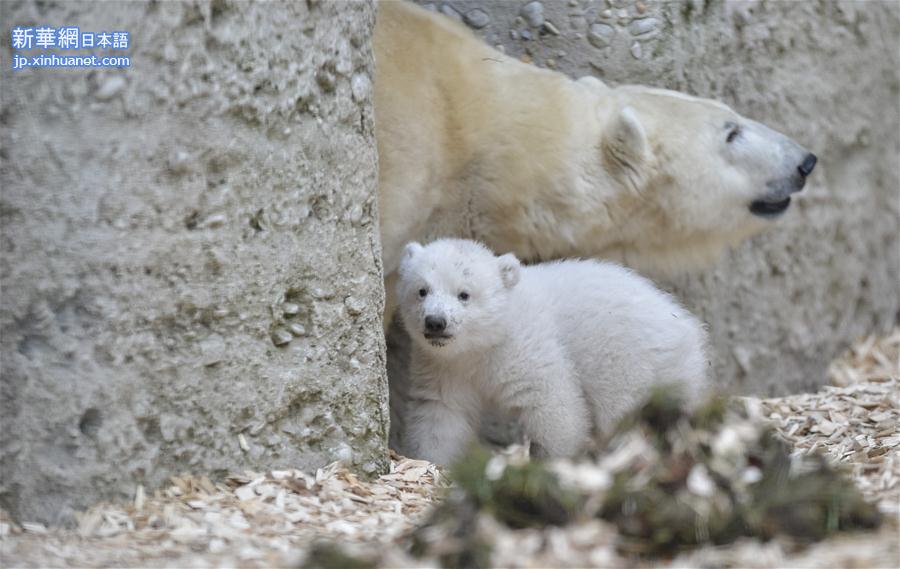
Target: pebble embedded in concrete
[281, 337]
[213, 221]
[643, 26]
[344, 65]
[355, 214]
[321, 293]
[550, 28]
[533, 12]
[477, 18]
[360, 87]
[636, 50]
[290, 309]
[600, 35]
[450, 11]
[110, 88]
[355, 306]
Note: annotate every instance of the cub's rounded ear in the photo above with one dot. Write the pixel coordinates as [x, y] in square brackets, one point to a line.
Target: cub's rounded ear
[412, 249]
[510, 269]
[625, 147]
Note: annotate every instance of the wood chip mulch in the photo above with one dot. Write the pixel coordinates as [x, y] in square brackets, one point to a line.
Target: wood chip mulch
[250, 520]
[856, 422]
[271, 519]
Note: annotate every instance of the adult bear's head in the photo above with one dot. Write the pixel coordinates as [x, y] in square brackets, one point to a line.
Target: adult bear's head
[703, 176]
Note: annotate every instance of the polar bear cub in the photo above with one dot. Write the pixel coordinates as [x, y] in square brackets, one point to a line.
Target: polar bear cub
[568, 346]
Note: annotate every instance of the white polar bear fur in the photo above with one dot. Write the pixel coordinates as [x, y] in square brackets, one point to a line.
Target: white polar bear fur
[475, 144]
[568, 346]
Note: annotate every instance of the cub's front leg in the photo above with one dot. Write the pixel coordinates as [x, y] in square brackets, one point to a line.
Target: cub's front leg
[438, 432]
[559, 424]
[545, 391]
[443, 411]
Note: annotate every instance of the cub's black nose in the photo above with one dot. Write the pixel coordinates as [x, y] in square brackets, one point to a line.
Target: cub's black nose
[807, 166]
[435, 324]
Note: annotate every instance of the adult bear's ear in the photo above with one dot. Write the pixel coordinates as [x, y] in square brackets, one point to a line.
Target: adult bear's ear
[626, 149]
[510, 269]
[411, 250]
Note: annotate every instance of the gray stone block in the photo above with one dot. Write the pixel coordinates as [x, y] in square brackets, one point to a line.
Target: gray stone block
[191, 269]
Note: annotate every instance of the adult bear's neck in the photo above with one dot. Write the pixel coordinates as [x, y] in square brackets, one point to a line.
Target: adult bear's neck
[533, 165]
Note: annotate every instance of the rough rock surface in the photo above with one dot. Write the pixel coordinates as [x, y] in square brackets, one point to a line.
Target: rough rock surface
[825, 73]
[191, 269]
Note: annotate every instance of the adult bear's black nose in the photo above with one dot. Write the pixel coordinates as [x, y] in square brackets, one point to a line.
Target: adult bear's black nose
[435, 324]
[806, 167]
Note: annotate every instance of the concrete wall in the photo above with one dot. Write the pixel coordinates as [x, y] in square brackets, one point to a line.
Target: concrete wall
[826, 74]
[190, 257]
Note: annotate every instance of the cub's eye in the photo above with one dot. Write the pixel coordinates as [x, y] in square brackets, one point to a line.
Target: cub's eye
[463, 296]
[423, 292]
[733, 132]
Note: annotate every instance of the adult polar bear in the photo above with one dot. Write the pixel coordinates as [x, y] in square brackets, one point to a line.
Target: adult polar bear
[474, 144]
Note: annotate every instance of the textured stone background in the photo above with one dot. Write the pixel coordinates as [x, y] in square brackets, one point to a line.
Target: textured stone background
[826, 74]
[161, 224]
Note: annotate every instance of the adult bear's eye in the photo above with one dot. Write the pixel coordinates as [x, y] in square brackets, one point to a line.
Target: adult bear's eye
[463, 296]
[733, 132]
[423, 292]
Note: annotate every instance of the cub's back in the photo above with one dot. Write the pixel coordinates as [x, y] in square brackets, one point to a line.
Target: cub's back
[588, 292]
[622, 333]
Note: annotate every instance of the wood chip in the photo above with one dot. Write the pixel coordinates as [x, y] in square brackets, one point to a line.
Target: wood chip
[245, 493]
